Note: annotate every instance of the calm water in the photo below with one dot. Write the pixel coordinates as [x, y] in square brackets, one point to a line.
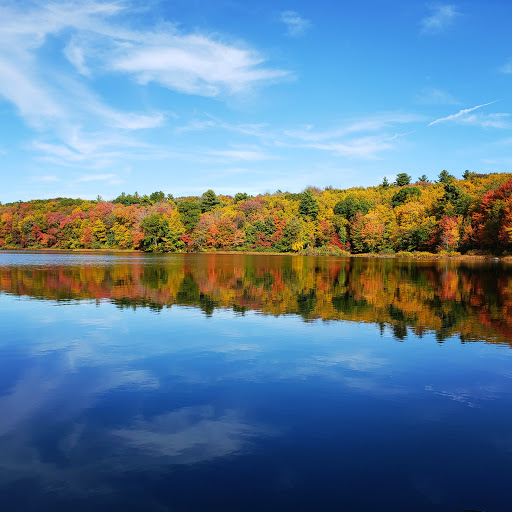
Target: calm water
[254, 383]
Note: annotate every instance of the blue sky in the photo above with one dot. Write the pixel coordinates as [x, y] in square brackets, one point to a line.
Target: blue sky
[102, 97]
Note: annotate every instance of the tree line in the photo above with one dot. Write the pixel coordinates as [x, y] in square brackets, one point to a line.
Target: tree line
[468, 215]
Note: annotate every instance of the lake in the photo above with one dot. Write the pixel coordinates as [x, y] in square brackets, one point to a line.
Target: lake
[208, 382]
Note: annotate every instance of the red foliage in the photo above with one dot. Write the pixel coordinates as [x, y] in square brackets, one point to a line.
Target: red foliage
[492, 220]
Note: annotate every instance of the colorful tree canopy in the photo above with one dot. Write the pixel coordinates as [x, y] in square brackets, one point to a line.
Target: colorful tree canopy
[471, 214]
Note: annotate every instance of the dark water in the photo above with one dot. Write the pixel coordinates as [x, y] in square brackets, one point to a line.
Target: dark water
[254, 383]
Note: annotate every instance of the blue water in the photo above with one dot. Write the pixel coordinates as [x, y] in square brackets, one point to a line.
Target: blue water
[111, 408]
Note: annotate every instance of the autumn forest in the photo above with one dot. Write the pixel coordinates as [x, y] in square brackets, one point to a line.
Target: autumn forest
[472, 215]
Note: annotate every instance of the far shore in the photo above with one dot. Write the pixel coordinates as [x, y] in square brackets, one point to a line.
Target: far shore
[399, 255]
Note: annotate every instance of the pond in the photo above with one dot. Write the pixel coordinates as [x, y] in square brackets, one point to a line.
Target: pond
[207, 382]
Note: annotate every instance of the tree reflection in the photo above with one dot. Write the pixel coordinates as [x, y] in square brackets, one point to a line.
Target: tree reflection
[471, 300]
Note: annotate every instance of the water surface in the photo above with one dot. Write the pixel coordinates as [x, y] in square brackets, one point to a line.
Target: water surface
[243, 382]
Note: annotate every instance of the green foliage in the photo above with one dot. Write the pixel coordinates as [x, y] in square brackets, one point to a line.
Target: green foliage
[423, 179]
[445, 177]
[292, 196]
[417, 237]
[127, 199]
[385, 183]
[406, 194]
[190, 213]
[156, 197]
[402, 179]
[292, 233]
[241, 196]
[308, 206]
[453, 202]
[209, 201]
[66, 201]
[349, 206]
[155, 228]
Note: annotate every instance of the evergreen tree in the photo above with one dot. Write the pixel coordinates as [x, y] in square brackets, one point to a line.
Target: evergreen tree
[190, 214]
[241, 196]
[445, 177]
[349, 206]
[156, 197]
[402, 179]
[308, 206]
[403, 195]
[209, 201]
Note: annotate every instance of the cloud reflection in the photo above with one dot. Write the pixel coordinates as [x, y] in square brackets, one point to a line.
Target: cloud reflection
[192, 434]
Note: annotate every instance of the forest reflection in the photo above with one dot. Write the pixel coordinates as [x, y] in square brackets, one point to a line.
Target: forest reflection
[472, 300]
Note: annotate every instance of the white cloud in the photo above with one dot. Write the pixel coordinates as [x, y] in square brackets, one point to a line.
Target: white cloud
[193, 64]
[34, 102]
[96, 177]
[370, 124]
[296, 25]
[196, 126]
[442, 17]
[507, 67]
[255, 129]
[74, 53]
[497, 120]
[78, 125]
[463, 117]
[374, 137]
[433, 96]
[240, 154]
[364, 147]
[47, 179]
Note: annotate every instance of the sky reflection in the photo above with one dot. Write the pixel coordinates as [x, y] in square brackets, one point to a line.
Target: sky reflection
[121, 408]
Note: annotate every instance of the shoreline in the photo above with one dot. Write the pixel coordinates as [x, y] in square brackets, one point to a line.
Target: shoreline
[413, 256]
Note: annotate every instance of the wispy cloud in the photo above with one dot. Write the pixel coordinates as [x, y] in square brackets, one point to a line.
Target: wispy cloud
[434, 96]
[296, 25]
[462, 115]
[46, 179]
[497, 120]
[507, 67]
[55, 96]
[356, 138]
[75, 54]
[364, 138]
[196, 125]
[364, 147]
[193, 64]
[374, 123]
[240, 155]
[96, 177]
[441, 17]
[191, 435]
[255, 129]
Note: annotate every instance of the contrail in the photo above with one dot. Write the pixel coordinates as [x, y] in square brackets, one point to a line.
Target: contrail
[461, 113]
